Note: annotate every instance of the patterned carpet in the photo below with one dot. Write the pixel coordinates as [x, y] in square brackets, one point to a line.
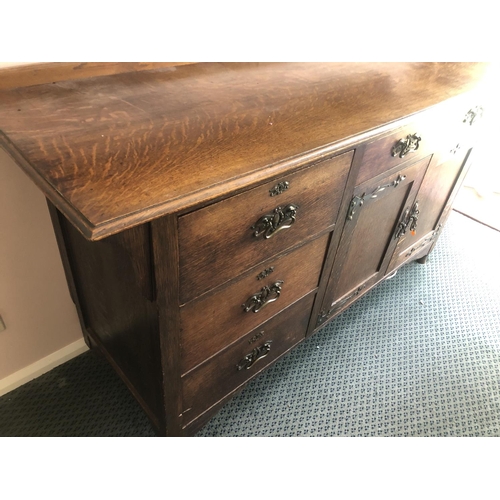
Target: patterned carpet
[417, 356]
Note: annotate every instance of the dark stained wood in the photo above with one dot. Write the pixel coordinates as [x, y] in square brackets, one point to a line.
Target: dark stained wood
[123, 322]
[212, 381]
[166, 264]
[440, 129]
[434, 196]
[95, 342]
[115, 151]
[368, 241]
[194, 426]
[173, 166]
[378, 159]
[317, 191]
[337, 233]
[444, 213]
[137, 245]
[56, 199]
[213, 322]
[39, 73]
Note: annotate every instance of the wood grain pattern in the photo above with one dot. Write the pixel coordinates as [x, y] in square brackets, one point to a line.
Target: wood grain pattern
[368, 242]
[173, 159]
[166, 267]
[213, 322]
[114, 151]
[317, 191]
[435, 197]
[438, 128]
[432, 197]
[209, 383]
[116, 314]
[49, 72]
[336, 236]
[135, 243]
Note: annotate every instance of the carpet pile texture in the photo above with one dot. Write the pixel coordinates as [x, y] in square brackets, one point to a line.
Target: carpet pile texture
[419, 355]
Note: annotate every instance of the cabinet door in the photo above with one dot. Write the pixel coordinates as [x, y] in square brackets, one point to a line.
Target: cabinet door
[432, 206]
[368, 239]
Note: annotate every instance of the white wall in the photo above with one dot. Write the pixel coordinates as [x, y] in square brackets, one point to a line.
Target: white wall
[35, 303]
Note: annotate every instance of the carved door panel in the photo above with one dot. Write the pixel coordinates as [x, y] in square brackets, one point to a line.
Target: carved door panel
[432, 206]
[368, 239]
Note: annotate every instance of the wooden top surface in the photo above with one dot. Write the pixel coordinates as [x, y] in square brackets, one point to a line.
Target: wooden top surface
[115, 151]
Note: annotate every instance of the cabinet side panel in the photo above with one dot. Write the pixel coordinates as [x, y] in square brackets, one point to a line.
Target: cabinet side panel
[118, 315]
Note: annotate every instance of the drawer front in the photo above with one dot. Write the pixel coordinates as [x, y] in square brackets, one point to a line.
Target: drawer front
[442, 130]
[221, 241]
[213, 322]
[411, 142]
[417, 250]
[210, 382]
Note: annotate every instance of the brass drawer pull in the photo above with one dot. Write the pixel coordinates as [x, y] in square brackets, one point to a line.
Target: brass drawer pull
[407, 145]
[258, 353]
[280, 188]
[270, 224]
[266, 295]
[408, 222]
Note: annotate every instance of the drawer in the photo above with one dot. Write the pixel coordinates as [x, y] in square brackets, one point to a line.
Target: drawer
[212, 322]
[210, 382]
[415, 251]
[223, 240]
[410, 142]
[441, 130]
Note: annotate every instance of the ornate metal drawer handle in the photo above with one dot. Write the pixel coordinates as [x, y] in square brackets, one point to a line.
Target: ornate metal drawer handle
[265, 273]
[270, 224]
[408, 221]
[407, 145]
[280, 188]
[358, 201]
[258, 353]
[266, 295]
[473, 114]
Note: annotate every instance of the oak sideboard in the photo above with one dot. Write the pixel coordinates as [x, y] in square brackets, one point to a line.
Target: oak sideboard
[212, 216]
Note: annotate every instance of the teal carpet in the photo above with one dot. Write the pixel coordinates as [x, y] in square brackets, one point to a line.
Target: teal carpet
[417, 356]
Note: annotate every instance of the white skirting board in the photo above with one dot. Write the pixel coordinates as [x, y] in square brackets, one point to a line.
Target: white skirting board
[42, 366]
